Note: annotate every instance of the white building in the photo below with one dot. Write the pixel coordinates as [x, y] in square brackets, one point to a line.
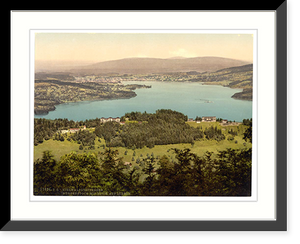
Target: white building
[209, 119]
[110, 119]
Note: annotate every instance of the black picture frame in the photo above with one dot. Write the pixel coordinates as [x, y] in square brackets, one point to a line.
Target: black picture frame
[280, 224]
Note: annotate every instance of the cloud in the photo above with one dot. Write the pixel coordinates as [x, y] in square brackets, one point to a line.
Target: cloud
[182, 52]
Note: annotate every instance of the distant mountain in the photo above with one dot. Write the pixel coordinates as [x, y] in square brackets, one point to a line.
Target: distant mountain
[158, 65]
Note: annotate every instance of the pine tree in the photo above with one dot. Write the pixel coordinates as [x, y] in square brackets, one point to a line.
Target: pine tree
[44, 176]
[248, 133]
[148, 170]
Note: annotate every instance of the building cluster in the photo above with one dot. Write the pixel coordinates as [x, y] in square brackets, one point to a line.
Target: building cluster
[209, 119]
[73, 130]
[213, 119]
[83, 79]
[204, 119]
[110, 119]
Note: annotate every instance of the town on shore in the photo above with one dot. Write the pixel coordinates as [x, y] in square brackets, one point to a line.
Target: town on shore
[55, 88]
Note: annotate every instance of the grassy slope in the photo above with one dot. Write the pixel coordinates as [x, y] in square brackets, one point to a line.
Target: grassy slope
[200, 147]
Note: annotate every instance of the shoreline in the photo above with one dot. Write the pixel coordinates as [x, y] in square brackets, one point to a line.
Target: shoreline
[87, 109]
[46, 112]
[237, 96]
[243, 95]
[127, 93]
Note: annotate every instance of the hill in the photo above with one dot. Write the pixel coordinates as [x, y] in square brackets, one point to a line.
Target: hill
[244, 68]
[158, 65]
[233, 77]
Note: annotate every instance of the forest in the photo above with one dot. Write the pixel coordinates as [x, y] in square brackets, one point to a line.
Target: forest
[229, 174]
[45, 129]
[105, 172]
[145, 129]
[140, 129]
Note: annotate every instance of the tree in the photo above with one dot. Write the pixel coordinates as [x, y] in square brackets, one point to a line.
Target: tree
[248, 133]
[165, 175]
[77, 172]
[115, 180]
[148, 185]
[110, 160]
[132, 184]
[198, 118]
[44, 175]
[61, 138]
[233, 173]
[192, 143]
[184, 173]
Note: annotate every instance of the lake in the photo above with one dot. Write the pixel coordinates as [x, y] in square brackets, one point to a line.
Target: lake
[191, 99]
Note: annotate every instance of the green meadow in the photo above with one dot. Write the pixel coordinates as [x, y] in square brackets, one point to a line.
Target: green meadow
[60, 148]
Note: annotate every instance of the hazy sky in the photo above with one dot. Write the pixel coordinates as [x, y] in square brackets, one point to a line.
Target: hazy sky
[96, 47]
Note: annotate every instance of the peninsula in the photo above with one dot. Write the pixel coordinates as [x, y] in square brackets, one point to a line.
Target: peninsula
[50, 92]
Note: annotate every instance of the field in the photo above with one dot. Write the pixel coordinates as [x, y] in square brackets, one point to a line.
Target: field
[59, 148]
[147, 171]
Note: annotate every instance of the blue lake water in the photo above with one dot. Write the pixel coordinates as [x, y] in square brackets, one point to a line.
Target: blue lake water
[192, 99]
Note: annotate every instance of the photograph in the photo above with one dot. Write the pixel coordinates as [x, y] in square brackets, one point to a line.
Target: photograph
[143, 113]
[148, 120]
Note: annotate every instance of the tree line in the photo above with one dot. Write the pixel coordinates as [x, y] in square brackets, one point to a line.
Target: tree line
[140, 129]
[45, 129]
[226, 174]
[167, 115]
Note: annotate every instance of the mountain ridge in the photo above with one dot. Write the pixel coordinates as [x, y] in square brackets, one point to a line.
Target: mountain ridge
[141, 65]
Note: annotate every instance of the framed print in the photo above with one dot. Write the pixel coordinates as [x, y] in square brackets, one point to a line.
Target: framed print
[149, 147]
[173, 122]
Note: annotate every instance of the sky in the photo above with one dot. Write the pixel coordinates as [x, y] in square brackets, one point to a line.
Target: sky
[97, 47]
